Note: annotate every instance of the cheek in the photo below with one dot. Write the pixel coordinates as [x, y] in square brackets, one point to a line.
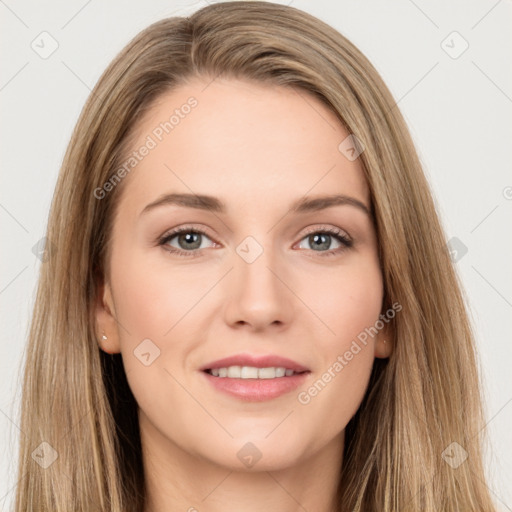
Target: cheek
[347, 301]
[159, 302]
[346, 349]
[152, 296]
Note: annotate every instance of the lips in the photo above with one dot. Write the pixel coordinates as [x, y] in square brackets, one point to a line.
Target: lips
[266, 361]
[236, 376]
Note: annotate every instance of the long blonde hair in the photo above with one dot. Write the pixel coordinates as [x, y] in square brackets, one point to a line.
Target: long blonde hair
[425, 397]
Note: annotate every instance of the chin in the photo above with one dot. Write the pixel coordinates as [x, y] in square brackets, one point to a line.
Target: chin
[256, 452]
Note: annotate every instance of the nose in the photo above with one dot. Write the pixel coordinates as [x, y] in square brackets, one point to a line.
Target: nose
[259, 296]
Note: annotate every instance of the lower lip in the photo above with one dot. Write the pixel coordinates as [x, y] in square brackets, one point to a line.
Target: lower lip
[256, 390]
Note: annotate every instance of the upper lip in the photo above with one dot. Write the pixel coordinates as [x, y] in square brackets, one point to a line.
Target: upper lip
[266, 361]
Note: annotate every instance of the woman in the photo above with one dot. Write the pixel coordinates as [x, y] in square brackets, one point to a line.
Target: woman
[250, 302]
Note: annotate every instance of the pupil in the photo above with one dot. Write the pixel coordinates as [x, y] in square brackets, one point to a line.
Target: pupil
[318, 238]
[191, 238]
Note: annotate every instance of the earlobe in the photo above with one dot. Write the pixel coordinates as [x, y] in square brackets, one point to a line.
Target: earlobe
[383, 347]
[384, 342]
[107, 334]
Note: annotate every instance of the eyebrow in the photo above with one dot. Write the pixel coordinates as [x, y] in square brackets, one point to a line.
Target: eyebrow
[303, 205]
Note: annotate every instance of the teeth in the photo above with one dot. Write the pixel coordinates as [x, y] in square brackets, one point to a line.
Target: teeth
[234, 372]
[248, 372]
[251, 372]
[280, 372]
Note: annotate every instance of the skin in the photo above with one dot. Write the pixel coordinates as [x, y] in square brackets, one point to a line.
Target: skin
[258, 149]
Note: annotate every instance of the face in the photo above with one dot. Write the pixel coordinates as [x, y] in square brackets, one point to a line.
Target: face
[262, 272]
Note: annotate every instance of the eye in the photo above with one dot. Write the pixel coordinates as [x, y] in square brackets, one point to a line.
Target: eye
[321, 239]
[189, 240]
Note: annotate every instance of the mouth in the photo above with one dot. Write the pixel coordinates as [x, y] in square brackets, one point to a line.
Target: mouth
[255, 378]
[252, 372]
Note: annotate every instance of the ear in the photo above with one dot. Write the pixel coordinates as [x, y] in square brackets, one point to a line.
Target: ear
[106, 323]
[384, 340]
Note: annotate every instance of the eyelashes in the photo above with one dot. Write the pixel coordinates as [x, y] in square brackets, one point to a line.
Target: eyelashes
[327, 233]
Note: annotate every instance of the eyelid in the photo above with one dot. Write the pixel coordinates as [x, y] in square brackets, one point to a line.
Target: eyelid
[190, 227]
[326, 228]
[309, 229]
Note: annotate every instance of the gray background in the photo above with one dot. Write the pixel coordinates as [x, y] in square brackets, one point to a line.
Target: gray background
[458, 107]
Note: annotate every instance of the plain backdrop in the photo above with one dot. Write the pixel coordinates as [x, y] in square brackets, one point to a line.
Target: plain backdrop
[447, 64]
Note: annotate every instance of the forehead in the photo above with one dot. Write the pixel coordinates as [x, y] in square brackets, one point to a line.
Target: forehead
[243, 142]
